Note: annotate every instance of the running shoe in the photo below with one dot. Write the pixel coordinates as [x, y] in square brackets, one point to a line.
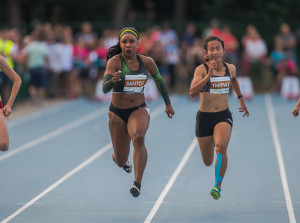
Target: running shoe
[128, 167]
[135, 190]
[215, 193]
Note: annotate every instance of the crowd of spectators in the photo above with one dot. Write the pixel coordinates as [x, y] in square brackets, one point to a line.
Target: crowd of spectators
[60, 63]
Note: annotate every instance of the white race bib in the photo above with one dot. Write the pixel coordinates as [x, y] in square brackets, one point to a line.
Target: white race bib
[219, 85]
[135, 83]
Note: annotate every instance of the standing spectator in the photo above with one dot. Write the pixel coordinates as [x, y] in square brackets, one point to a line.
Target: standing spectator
[254, 55]
[36, 55]
[86, 34]
[194, 58]
[277, 57]
[81, 63]
[170, 41]
[289, 40]
[212, 30]
[189, 34]
[231, 45]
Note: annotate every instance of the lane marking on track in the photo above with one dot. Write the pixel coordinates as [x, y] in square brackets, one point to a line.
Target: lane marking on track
[173, 178]
[60, 181]
[55, 133]
[92, 158]
[273, 126]
[37, 114]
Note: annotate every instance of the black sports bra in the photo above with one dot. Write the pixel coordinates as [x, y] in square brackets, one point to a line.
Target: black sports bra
[206, 88]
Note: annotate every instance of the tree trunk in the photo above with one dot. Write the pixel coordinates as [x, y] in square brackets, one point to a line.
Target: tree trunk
[13, 8]
[120, 12]
[179, 15]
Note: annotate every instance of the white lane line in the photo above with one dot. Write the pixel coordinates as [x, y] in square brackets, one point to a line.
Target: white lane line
[171, 181]
[278, 150]
[65, 177]
[37, 114]
[55, 133]
[60, 181]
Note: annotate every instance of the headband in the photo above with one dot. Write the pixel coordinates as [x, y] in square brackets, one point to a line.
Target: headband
[129, 30]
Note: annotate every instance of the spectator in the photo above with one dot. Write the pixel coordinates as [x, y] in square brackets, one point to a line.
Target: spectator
[277, 57]
[289, 40]
[170, 41]
[212, 30]
[231, 45]
[86, 34]
[254, 55]
[36, 55]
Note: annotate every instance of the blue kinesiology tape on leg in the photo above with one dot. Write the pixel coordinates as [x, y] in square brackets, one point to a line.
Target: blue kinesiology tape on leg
[218, 178]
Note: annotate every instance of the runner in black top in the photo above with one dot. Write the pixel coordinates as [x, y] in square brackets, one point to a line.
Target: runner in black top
[126, 74]
[214, 121]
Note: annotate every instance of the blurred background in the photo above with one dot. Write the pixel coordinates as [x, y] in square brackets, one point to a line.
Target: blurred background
[58, 47]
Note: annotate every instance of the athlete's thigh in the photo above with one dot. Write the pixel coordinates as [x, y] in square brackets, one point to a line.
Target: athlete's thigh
[207, 145]
[138, 122]
[119, 134]
[4, 139]
[222, 134]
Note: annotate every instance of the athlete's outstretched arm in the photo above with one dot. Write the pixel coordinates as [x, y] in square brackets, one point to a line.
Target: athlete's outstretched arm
[160, 84]
[296, 109]
[14, 77]
[236, 87]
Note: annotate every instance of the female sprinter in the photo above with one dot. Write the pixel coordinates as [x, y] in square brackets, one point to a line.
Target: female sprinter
[295, 111]
[214, 121]
[6, 110]
[126, 74]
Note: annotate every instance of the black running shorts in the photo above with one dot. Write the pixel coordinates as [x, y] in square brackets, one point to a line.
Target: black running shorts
[206, 121]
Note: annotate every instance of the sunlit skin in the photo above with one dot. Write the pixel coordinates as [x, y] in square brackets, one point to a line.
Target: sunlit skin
[6, 111]
[295, 111]
[215, 103]
[135, 130]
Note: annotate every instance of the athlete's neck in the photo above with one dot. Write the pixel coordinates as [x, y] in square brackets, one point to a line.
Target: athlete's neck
[130, 59]
[220, 66]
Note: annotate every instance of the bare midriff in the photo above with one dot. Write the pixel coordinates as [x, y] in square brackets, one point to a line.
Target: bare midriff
[213, 102]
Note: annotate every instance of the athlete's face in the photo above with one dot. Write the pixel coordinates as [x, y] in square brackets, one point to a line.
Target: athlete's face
[128, 43]
[215, 50]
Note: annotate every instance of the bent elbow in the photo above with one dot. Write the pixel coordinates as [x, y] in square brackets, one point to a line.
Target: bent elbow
[192, 93]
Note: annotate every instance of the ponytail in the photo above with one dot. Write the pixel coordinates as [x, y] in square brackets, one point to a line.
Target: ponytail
[114, 50]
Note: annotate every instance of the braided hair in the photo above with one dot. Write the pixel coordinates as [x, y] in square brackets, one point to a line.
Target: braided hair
[116, 49]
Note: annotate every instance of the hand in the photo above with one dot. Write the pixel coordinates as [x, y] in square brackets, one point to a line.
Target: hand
[116, 77]
[7, 110]
[211, 66]
[169, 110]
[243, 108]
[295, 112]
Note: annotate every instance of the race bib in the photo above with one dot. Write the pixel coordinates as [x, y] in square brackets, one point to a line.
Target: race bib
[135, 83]
[219, 85]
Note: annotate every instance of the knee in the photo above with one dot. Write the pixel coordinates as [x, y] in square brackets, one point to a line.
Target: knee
[207, 162]
[119, 162]
[138, 139]
[4, 147]
[221, 148]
